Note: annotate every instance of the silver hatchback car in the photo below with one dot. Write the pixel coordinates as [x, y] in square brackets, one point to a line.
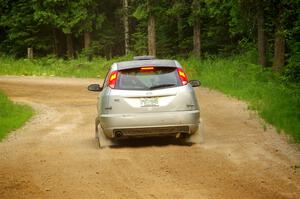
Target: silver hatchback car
[147, 97]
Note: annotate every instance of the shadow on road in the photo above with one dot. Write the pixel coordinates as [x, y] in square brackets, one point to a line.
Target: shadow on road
[149, 142]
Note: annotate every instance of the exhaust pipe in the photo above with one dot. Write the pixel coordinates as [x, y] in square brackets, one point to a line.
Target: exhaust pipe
[182, 135]
[118, 134]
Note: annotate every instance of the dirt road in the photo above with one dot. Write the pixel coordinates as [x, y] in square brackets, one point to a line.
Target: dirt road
[56, 156]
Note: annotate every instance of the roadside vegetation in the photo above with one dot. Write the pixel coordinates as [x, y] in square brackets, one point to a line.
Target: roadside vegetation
[12, 116]
[276, 100]
[50, 66]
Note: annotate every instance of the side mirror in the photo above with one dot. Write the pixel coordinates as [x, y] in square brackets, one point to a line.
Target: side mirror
[94, 87]
[195, 83]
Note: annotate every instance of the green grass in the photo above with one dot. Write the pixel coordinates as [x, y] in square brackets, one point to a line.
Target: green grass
[276, 102]
[12, 116]
[49, 66]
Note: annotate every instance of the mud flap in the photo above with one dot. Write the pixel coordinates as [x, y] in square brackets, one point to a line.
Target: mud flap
[101, 138]
[198, 136]
[96, 128]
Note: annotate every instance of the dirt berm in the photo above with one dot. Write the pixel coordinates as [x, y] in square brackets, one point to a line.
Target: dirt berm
[55, 154]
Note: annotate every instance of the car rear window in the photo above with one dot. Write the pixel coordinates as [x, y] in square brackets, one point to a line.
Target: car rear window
[148, 78]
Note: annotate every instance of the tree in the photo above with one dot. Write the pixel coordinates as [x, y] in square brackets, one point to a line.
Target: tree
[178, 39]
[286, 19]
[126, 26]
[65, 15]
[279, 46]
[261, 36]
[20, 29]
[151, 29]
[196, 12]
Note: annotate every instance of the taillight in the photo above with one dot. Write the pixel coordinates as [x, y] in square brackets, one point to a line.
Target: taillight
[113, 79]
[182, 76]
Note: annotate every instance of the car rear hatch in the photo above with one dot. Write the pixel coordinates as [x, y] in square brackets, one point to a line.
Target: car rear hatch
[150, 88]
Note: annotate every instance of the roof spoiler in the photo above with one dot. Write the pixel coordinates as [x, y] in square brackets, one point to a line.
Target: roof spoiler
[144, 57]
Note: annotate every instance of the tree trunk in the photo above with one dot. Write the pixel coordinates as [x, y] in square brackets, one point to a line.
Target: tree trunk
[126, 26]
[180, 23]
[70, 47]
[196, 38]
[87, 45]
[151, 31]
[55, 42]
[30, 53]
[279, 47]
[196, 29]
[151, 36]
[279, 52]
[87, 40]
[261, 38]
[60, 38]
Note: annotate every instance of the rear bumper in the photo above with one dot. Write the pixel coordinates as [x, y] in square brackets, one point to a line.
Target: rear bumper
[150, 124]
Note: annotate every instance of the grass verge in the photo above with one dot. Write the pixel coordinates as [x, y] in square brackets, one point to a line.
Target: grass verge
[50, 66]
[12, 115]
[276, 102]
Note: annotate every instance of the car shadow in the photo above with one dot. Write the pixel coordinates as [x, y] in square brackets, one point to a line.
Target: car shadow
[149, 142]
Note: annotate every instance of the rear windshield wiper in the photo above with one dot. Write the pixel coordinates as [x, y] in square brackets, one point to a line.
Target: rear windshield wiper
[161, 86]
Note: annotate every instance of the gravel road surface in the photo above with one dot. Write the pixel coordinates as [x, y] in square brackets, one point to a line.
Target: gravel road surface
[55, 154]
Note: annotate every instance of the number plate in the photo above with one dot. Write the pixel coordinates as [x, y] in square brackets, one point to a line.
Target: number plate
[148, 102]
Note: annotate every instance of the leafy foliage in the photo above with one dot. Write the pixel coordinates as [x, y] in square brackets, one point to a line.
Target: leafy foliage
[274, 101]
[227, 27]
